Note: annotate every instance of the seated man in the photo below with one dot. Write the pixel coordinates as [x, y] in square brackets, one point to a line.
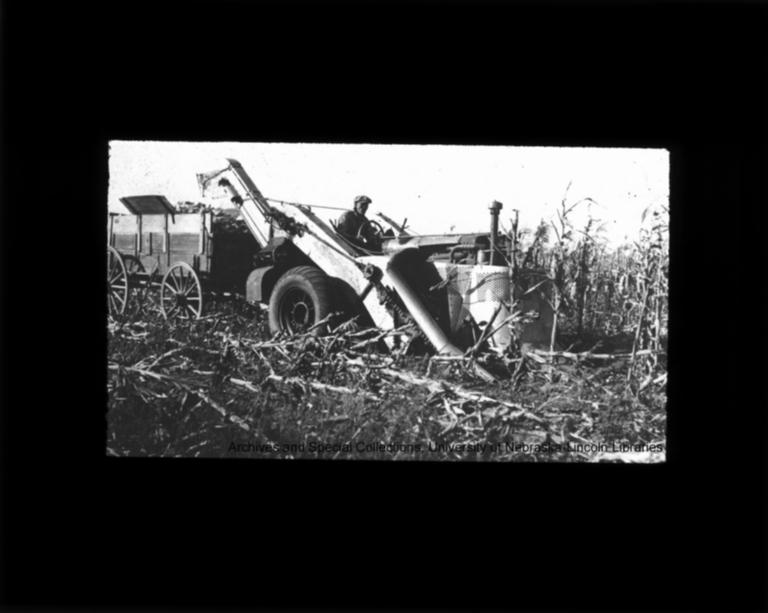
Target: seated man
[353, 225]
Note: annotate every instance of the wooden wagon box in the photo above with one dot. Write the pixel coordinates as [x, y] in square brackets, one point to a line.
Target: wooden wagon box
[157, 242]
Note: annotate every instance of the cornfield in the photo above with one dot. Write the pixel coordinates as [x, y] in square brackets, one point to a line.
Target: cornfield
[222, 386]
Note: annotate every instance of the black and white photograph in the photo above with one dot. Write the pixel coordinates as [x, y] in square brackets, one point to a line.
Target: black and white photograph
[387, 302]
[423, 305]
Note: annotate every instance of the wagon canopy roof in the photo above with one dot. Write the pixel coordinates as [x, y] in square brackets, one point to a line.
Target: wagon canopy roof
[148, 205]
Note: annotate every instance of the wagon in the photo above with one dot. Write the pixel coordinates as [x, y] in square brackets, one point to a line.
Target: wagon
[188, 256]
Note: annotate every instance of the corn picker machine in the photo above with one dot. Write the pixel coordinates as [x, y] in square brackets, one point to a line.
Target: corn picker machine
[448, 290]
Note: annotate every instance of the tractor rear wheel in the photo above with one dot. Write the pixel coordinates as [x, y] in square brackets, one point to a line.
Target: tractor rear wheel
[301, 298]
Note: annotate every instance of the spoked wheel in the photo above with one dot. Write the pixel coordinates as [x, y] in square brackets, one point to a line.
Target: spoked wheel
[133, 264]
[181, 295]
[117, 282]
[138, 282]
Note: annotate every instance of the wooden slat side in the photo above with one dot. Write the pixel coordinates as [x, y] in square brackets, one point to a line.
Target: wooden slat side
[185, 223]
[124, 243]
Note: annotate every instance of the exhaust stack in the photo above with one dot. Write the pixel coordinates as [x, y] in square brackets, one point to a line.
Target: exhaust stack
[495, 207]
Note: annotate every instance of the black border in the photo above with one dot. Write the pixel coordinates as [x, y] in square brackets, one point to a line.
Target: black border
[83, 529]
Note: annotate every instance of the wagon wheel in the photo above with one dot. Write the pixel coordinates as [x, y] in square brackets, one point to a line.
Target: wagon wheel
[138, 288]
[181, 295]
[132, 264]
[117, 282]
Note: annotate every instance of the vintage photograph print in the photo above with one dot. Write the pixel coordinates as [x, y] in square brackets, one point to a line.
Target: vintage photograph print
[387, 302]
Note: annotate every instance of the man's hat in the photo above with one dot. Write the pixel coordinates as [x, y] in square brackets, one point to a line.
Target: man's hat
[362, 200]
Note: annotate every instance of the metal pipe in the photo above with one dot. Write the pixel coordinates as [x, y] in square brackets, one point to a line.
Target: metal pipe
[420, 313]
[495, 207]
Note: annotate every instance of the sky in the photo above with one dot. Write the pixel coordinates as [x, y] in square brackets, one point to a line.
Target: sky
[439, 188]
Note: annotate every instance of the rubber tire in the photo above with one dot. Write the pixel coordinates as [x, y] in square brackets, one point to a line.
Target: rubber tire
[314, 283]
